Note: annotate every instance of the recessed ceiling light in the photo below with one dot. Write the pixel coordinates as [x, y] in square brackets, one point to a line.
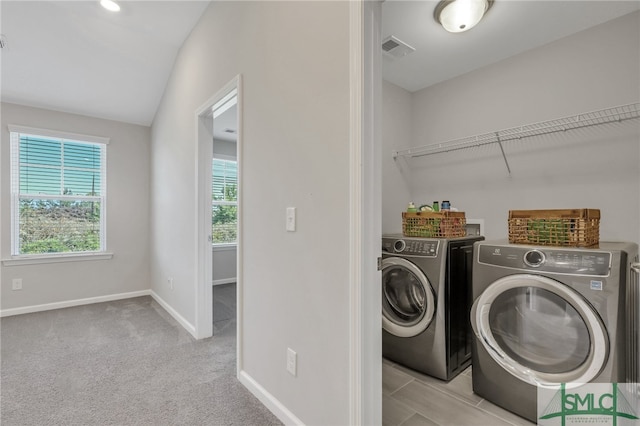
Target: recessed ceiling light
[110, 5]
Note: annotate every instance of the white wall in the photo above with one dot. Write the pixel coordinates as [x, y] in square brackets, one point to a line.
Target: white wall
[396, 135]
[596, 167]
[224, 264]
[127, 216]
[294, 60]
[224, 148]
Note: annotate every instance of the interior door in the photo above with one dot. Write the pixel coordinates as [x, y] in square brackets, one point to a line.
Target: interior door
[408, 300]
[540, 330]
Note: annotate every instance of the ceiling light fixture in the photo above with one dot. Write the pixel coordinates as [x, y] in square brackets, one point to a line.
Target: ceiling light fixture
[457, 16]
[110, 5]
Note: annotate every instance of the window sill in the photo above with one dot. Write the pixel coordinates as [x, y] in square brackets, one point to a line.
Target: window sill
[55, 258]
[224, 247]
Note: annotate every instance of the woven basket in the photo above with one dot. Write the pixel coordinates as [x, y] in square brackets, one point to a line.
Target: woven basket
[434, 224]
[564, 228]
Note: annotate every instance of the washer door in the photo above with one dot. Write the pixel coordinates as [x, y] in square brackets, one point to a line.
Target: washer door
[540, 330]
[408, 301]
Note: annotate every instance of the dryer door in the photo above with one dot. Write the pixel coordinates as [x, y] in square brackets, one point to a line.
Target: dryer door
[408, 301]
[540, 330]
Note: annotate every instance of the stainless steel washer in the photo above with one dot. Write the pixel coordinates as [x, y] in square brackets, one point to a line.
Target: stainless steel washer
[544, 315]
[426, 299]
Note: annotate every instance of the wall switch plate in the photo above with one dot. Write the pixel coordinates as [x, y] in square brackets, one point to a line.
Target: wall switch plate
[16, 284]
[292, 362]
[291, 219]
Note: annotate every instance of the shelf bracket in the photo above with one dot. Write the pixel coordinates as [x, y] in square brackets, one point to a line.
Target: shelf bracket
[504, 156]
[403, 166]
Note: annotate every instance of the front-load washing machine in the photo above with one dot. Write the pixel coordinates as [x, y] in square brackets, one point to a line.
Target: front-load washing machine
[426, 299]
[543, 316]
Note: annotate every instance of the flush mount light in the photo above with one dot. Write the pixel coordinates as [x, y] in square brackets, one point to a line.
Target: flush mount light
[457, 16]
[110, 5]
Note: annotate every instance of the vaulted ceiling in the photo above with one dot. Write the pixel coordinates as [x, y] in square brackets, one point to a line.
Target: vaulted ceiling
[77, 57]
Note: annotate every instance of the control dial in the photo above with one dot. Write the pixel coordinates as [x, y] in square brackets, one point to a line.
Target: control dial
[534, 258]
[399, 246]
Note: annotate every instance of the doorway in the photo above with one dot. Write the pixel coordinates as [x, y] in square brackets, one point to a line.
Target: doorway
[224, 212]
[218, 210]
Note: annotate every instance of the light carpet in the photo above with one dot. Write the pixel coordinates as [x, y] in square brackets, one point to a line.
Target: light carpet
[125, 362]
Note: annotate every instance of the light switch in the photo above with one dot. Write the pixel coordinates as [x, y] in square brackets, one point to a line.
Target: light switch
[291, 219]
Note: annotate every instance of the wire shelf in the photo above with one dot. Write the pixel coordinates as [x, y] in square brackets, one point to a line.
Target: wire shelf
[594, 118]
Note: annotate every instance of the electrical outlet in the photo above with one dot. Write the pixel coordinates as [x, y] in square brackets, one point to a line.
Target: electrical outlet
[292, 362]
[16, 284]
[170, 281]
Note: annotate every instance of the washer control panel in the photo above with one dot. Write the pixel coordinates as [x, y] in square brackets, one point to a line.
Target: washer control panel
[411, 247]
[558, 260]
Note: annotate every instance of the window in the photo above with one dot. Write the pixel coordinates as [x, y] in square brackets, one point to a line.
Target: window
[58, 189]
[224, 207]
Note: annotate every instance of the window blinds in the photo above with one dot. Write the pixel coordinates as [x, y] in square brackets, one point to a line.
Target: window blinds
[58, 195]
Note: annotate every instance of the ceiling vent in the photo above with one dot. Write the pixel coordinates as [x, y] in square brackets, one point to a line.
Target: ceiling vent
[395, 48]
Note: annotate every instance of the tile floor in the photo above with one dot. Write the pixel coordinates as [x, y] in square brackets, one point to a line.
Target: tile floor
[410, 398]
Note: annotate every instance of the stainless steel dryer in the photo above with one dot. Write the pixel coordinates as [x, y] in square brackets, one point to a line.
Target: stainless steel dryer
[547, 315]
[426, 299]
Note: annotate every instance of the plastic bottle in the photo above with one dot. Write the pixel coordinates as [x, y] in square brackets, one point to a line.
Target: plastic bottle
[446, 206]
[411, 208]
[435, 207]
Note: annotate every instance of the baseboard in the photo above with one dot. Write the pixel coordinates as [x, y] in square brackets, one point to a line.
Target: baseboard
[71, 303]
[268, 400]
[176, 316]
[224, 281]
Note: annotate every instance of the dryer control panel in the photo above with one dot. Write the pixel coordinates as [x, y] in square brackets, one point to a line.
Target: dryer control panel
[579, 261]
[411, 247]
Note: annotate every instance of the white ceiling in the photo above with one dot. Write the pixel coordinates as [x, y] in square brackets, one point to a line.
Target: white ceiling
[225, 126]
[509, 27]
[77, 57]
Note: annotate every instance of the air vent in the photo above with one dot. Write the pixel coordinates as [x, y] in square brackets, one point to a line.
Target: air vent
[396, 48]
[390, 45]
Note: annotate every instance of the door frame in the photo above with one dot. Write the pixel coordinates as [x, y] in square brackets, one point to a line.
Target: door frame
[365, 219]
[204, 249]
